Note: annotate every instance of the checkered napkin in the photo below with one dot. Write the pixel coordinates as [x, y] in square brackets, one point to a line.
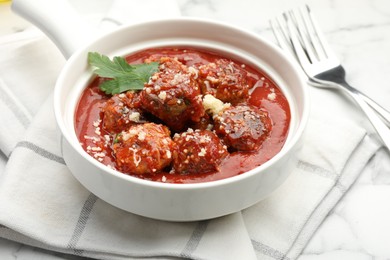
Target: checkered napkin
[43, 205]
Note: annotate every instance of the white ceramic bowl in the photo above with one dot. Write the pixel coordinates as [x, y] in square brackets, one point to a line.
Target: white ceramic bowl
[180, 202]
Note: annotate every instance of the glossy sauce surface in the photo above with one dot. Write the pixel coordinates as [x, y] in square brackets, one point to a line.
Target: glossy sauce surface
[264, 94]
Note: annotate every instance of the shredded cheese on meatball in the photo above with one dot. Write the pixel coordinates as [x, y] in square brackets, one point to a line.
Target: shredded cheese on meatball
[214, 105]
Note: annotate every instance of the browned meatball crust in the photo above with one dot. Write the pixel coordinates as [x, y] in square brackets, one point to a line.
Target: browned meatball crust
[243, 127]
[144, 149]
[225, 80]
[121, 111]
[173, 95]
[198, 151]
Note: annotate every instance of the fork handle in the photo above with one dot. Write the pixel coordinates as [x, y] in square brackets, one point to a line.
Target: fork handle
[380, 127]
[340, 83]
[383, 113]
[378, 109]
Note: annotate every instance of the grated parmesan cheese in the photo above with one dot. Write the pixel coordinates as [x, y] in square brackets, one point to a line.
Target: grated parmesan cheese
[135, 116]
[136, 157]
[97, 155]
[127, 135]
[214, 105]
[202, 152]
[97, 122]
[97, 131]
[178, 78]
[141, 135]
[162, 95]
[193, 71]
[271, 96]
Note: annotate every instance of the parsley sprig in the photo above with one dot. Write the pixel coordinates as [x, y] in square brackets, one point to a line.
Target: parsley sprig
[122, 76]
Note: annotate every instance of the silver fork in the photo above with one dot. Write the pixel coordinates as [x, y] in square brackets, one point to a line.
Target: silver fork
[297, 32]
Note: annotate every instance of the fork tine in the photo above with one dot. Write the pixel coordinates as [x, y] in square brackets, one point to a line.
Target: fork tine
[296, 43]
[317, 36]
[311, 32]
[281, 35]
[283, 29]
[304, 35]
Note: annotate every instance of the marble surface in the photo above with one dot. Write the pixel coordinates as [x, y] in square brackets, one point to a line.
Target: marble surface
[359, 32]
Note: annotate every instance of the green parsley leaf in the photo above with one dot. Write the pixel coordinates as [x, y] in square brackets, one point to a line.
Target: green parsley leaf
[121, 84]
[123, 76]
[116, 138]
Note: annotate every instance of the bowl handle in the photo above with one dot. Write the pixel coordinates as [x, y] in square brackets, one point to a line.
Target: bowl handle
[59, 21]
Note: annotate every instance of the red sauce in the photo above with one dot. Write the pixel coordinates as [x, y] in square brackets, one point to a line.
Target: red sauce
[264, 94]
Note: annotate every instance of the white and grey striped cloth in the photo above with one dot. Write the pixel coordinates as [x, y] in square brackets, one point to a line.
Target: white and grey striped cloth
[42, 205]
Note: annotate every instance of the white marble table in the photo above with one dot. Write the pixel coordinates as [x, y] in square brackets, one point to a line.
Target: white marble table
[359, 32]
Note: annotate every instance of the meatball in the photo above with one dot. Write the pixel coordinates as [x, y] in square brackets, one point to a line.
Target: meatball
[121, 111]
[243, 127]
[173, 95]
[225, 80]
[143, 149]
[206, 122]
[198, 151]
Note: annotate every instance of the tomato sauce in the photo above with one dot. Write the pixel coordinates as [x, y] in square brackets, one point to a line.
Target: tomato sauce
[264, 94]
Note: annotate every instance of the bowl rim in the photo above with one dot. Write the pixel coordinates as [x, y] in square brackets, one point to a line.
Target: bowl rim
[298, 132]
